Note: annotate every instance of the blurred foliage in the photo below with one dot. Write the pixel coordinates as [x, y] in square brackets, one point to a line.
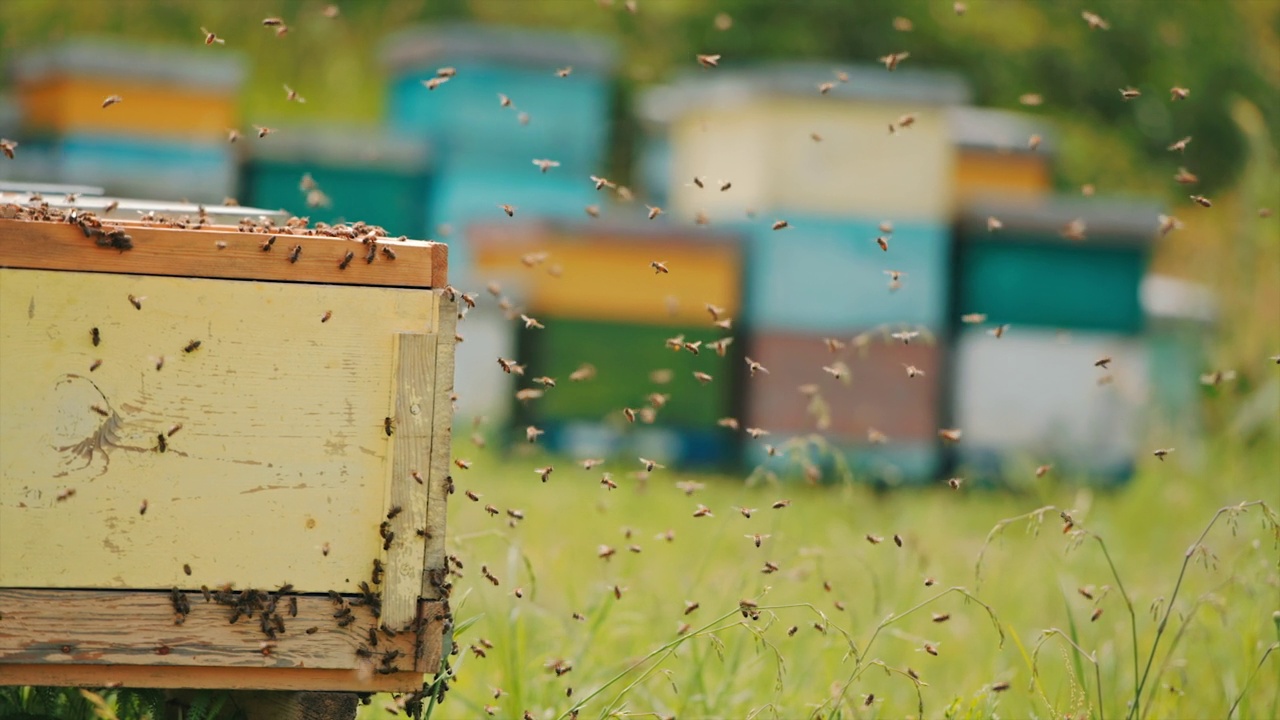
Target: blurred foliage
[1220, 50]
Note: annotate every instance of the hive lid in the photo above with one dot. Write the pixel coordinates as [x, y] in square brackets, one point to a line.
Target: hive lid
[206, 67]
[723, 88]
[1121, 221]
[92, 199]
[427, 46]
[350, 146]
[998, 130]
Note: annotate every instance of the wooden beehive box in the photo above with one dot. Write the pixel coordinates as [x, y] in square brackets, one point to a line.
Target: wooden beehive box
[137, 466]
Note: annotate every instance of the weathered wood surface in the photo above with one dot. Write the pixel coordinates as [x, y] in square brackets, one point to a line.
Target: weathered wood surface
[97, 635]
[282, 456]
[195, 253]
[434, 570]
[415, 363]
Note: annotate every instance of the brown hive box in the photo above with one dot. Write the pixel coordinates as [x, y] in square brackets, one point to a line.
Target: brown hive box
[196, 410]
[880, 394]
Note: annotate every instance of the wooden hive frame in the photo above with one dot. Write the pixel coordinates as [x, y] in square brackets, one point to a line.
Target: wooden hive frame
[115, 625]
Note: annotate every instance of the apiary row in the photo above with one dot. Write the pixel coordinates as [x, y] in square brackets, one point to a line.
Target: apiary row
[825, 227]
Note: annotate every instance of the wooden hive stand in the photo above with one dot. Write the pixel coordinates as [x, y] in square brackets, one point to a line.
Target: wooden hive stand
[224, 458]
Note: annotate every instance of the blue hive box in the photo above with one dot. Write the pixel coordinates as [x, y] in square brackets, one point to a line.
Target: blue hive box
[827, 275]
[130, 167]
[363, 173]
[568, 117]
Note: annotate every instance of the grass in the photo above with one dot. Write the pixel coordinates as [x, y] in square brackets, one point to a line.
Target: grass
[1185, 624]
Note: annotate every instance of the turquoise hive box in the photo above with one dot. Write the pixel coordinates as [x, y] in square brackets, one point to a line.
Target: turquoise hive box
[1028, 273]
[364, 174]
[568, 117]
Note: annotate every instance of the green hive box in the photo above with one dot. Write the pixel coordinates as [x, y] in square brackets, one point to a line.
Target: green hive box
[364, 174]
[624, 355]
[1028, 273]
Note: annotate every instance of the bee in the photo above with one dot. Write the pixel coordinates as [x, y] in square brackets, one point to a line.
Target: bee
[891, 60]
[1034, 141]
[709, 61]
[327, 314]
[95, 365]
[955, 483]
[388, 253]
[435, 82]
[998, 331]
[883, 242]
[510, 210]
[96, 336]
[263, 131]
[564, 71]
[941, 617]
[531, 323]
[1181, 145]
[592, 211]
[826, 87]
[757, 538]
[906, 336]
[1130, 93]
[142, 509]
[931, 649]
[702, 377]
[1097, 613]
[702, 511]
[186, 568]
[544, 472]
[1043, 470]
[324, 549]
[994, 224]
[160, 363]
[897, 539]
[1102, 362]
[462, 464]
[65, 494]
[531, 433]
[210, 38]
[291, 95]
[510, 366]
[372, 254]
[295, 253]
[1185, 177]
[871, 698]
[136, 301]
[388, 424]
[607, 481]
[780, 224]
[346, 260]
[192, 346]
[268, 244]
[1000, 686]
[417, 476]
[394, 511]
[1161, 453]
[1178, 93]
[913, 371]
[654, 211]
[1202, 201]
[544, 165]
[874, 539]
[1094, 21]
[163, 444]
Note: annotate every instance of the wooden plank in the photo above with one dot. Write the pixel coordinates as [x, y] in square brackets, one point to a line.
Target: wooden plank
[415, 363]
[96, 627]
[282, 454]
[196, 254]
[435, 569]
[83, 637]
[214, 678]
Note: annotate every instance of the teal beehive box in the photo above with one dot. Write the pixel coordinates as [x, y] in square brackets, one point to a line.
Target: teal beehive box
[342, 174]
[558, 85]
[1055, 262]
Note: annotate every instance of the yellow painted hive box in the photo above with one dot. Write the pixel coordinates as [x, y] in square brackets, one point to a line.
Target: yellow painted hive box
[170, 93]
[224, 453]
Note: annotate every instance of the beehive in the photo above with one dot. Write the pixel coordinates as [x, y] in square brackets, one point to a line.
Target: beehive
[360, 173]
[756, 128]
[218, 406]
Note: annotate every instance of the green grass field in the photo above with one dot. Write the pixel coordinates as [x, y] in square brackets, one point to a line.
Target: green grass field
[864, 611]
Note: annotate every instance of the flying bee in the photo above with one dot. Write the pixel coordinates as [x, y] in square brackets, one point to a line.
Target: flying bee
[142, 509]
[210, 38]
[327, 314]
[891, 60]
[941, 617]
[191, 346]
[781, 224]
[95, 365]
[136, 301]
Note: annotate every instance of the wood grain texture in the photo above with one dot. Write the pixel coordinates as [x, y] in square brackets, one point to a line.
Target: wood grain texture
[415, 363]
[439, 481]
[83, 637]
[195, 253]
[282, 453]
